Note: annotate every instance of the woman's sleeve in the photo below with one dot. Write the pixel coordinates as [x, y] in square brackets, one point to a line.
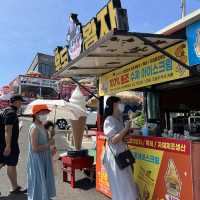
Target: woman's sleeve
[109, 128]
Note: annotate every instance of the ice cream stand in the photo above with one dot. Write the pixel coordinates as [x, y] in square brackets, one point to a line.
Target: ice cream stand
[159, 64]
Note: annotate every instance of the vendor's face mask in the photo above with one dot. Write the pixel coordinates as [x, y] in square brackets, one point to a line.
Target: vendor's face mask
[121, 107]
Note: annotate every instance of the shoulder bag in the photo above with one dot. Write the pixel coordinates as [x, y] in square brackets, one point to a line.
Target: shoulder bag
[123, 159]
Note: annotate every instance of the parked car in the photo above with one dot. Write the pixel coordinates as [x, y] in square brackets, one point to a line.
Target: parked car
[62, 124]
[91, 121]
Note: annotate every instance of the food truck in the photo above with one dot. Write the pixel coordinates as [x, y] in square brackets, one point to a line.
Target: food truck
[165, 66]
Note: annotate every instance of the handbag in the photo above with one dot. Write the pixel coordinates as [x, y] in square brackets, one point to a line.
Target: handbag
[123, 159]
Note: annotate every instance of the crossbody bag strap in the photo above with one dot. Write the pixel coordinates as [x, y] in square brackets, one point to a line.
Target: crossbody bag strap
[110, 149]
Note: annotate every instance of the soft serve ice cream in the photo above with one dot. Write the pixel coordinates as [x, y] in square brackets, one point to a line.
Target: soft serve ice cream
[78, 126]
[78, 99]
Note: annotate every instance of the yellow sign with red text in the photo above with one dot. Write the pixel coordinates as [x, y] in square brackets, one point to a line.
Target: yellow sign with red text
[146, 170]
[110, 17]
[163, 169]
[153, 69]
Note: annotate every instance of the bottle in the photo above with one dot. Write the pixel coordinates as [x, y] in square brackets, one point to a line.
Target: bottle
[165, 133]
[145, 130]
[170, 133]
[186, 134]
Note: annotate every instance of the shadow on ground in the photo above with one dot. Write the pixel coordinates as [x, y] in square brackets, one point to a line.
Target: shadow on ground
[14, 197]
[85, 184]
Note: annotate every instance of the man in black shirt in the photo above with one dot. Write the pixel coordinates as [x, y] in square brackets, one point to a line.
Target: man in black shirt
[9, 150]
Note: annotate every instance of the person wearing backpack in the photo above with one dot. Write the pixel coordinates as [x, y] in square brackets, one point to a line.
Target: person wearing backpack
[9, 134]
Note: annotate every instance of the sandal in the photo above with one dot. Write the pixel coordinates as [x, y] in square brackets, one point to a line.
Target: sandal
[17, 190]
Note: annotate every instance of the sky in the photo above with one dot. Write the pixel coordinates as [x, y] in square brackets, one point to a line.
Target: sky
[31, 26]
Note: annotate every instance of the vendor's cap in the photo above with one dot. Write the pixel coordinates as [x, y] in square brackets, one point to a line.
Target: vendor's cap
[16, 98]
[38, 108]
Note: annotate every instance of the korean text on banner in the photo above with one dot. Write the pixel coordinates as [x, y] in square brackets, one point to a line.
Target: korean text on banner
[153, 69]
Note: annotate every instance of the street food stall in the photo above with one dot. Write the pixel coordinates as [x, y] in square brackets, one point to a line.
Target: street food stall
[33, 86]
[165, 67]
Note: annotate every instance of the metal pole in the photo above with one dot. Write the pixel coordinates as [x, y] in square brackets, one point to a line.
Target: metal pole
[55, 113]
[40, 91]
[164, 52]
[84, 88]
[183, 8]
[20, 89]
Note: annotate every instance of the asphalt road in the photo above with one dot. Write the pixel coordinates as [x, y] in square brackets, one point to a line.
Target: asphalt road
[84, 189]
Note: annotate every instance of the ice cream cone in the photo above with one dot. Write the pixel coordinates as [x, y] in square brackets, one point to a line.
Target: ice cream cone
[78, 99]
[78, 127]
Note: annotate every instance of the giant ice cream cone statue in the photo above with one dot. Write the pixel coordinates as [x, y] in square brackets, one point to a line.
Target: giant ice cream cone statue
[78, 126]
[172, 180]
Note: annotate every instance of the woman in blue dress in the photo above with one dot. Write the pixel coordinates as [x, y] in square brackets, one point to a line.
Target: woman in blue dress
[41, 183]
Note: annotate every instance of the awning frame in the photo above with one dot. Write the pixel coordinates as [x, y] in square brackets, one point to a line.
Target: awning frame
[88, 53]
[140, 36]
[164, 52]
[92, 94]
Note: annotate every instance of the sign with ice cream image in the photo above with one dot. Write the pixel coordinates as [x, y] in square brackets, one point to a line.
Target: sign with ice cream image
[78, 126]
[197, 44]
[193, 40]
[172, 182]
[162, 170]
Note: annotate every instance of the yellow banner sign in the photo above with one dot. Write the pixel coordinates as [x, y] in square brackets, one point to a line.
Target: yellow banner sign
[153, 69]
[81, 38]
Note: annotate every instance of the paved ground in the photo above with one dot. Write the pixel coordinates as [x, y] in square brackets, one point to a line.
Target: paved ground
[84, 189]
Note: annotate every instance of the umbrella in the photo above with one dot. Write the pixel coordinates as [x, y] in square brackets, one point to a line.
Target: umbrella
[129, 97]
[67, 80]
[60, 109]
[87, 82]
[92, 102]
[126, 96]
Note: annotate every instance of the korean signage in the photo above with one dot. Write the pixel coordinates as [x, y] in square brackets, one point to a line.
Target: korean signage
[40, 82]
[74, 37]
[80, 38]
[102, 183]
[153, 69]
[193, 38]
[163, 169]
